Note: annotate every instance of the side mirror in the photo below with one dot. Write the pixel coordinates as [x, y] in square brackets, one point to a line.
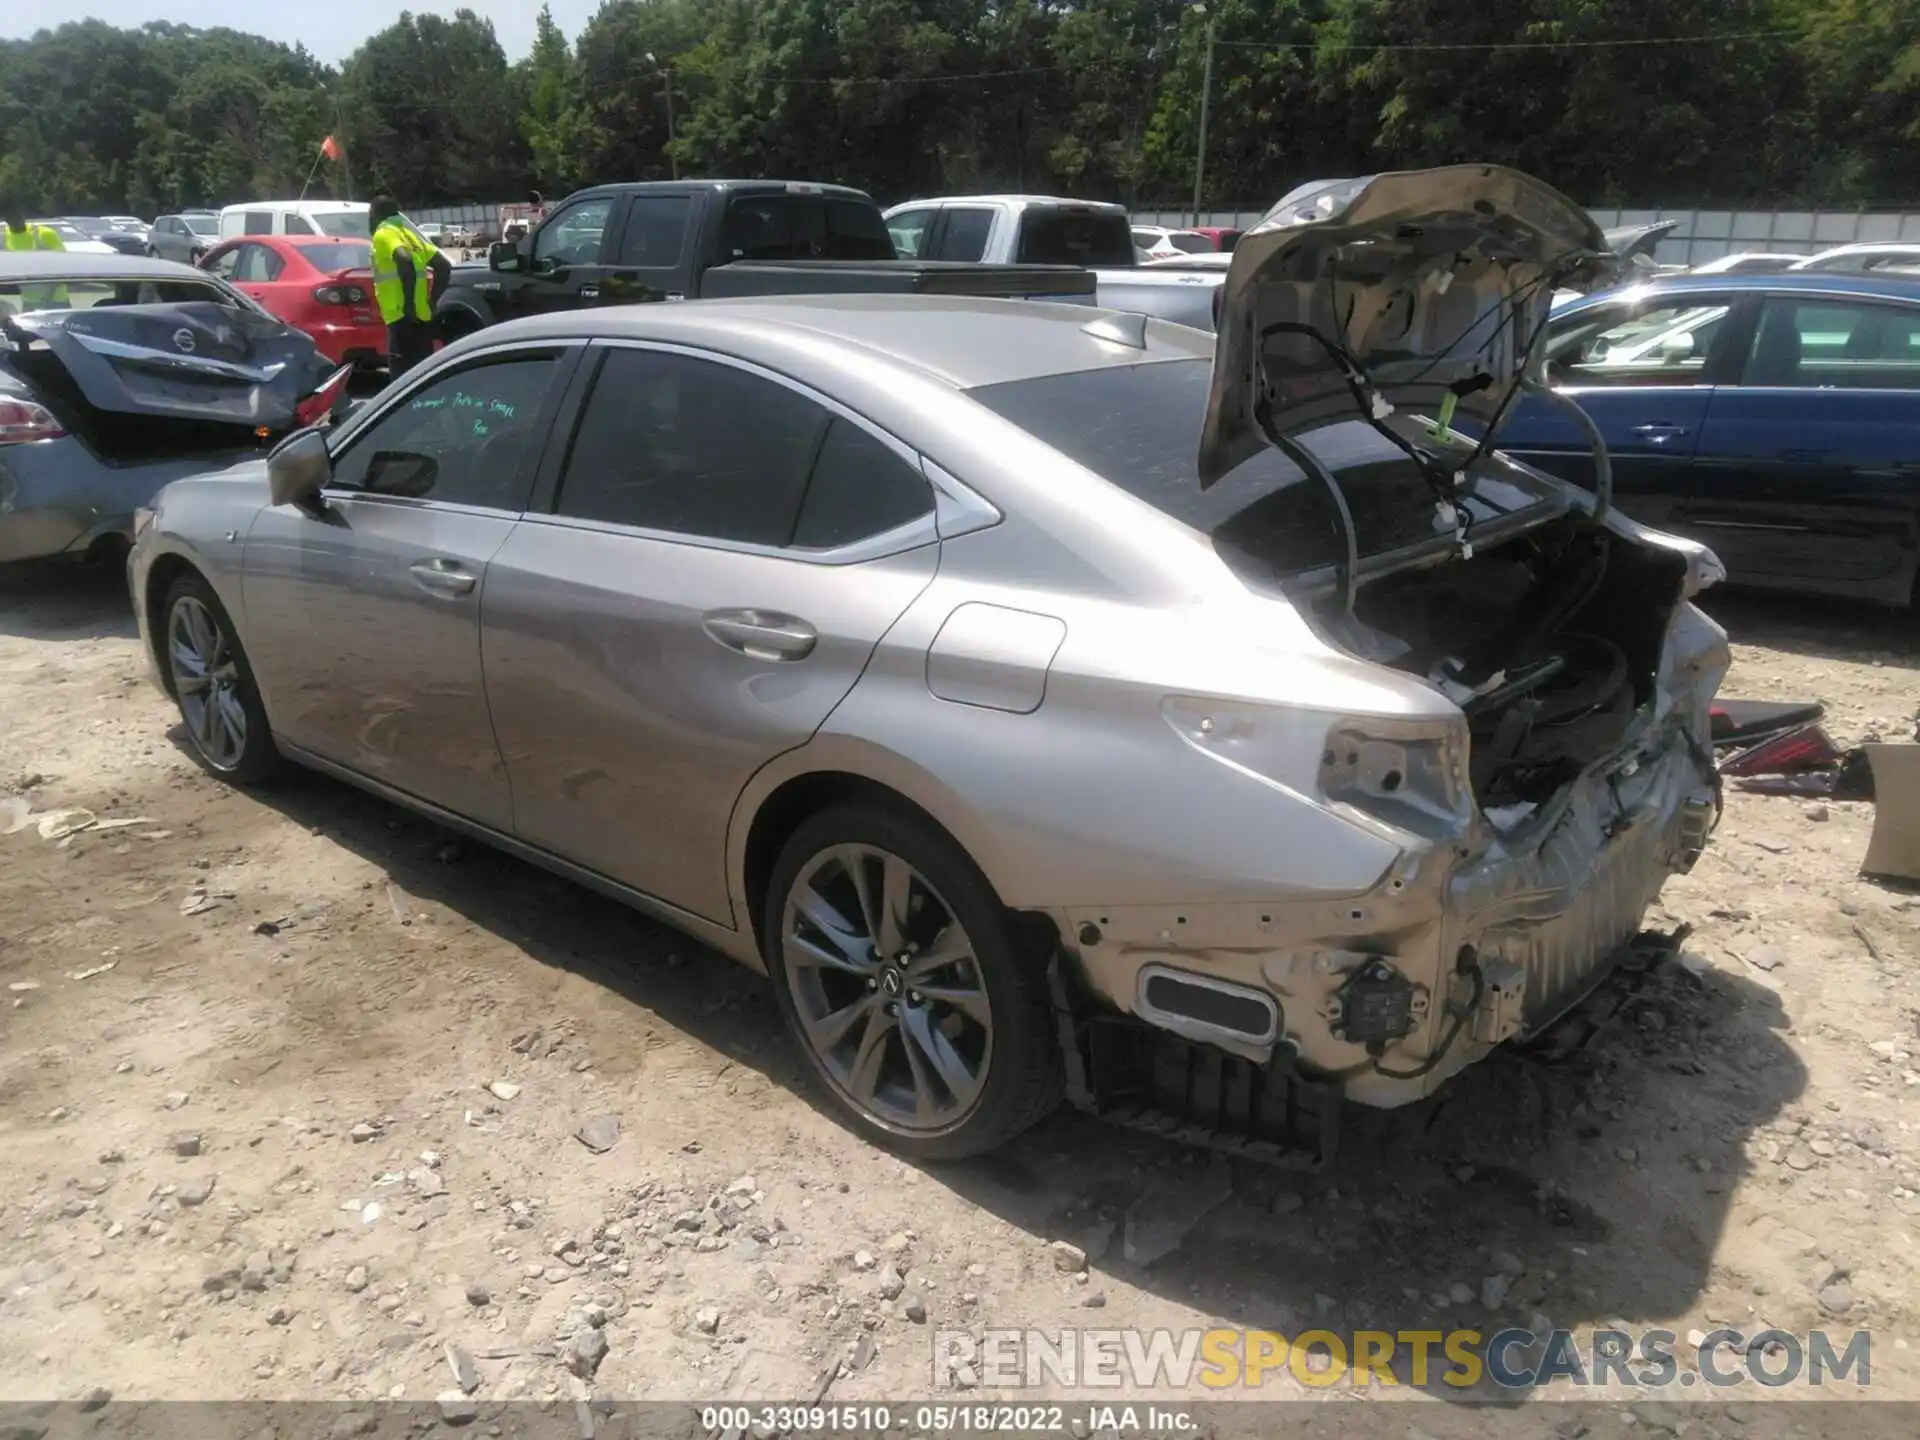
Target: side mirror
[503, 255]
[298, 467]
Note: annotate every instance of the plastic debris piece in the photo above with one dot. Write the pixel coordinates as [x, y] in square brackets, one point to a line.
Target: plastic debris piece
[57, 823]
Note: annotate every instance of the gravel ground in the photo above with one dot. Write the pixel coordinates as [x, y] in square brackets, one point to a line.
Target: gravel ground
[299, 1090]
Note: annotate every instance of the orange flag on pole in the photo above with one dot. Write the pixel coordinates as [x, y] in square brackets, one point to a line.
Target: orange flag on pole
[330, 148]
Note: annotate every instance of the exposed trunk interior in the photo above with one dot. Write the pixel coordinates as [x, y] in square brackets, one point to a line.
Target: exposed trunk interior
[1550, 644]
[118, 437]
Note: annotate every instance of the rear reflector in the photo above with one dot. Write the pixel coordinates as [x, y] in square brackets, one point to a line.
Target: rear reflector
[22, 421]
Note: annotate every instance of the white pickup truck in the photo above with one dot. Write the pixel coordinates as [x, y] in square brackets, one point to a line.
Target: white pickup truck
[1050, 230]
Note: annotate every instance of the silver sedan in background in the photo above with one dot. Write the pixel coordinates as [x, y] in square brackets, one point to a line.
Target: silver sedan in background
[892, 647]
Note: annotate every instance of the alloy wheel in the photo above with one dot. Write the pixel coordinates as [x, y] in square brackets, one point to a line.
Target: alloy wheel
[206, 679]
[887, 988]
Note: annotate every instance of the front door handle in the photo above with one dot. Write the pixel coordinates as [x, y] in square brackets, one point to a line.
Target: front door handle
[762, 634]
[442, 577]
[1659, 432]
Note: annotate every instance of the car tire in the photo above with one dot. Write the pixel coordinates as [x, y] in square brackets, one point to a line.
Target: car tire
[950, 1051]
[212, 682]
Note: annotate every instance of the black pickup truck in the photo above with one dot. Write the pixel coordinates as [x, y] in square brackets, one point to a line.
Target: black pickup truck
[702, 239]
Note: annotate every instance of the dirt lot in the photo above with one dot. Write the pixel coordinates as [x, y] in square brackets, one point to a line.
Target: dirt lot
[249, 1149]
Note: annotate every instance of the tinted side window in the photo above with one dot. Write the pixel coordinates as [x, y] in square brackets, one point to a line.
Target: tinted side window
[966, 234]
[1835, 345]
[297, 225]
[668, 442]
[804, 227]
[859, 488]
[656, 230]
[465, 438]
[259, 222]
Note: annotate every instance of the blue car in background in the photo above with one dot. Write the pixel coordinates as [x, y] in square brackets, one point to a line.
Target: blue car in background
[1775, 418]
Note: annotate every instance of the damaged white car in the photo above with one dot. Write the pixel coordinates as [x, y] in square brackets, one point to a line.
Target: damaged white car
[1042, 700]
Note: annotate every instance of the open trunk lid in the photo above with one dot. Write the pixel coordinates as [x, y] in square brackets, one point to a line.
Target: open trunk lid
[1425, 283]
[199, 361]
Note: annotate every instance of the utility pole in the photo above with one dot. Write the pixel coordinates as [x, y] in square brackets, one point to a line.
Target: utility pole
[666, 74]
[1200, 150]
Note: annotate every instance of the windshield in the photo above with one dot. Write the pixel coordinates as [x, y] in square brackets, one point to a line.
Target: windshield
[1139, 426]
[202, 224]
[1191, 243]
[805, 227]
[339, 255]
[349, 223]
[1074, 237]
[28, 296]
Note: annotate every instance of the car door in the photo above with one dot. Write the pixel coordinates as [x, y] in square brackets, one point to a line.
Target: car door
[166, 240]
[225, 261]
[256, 272]
[701, 596]
[1644, 370]
[647, 252]
[1808, 471]
[363, 616]
[565, 264]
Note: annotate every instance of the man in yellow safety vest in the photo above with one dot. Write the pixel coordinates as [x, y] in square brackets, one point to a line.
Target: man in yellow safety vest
[408, 275]
[17, 234]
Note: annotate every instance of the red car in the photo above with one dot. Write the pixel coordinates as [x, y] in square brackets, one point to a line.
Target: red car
[1223, 237]
[322, 284]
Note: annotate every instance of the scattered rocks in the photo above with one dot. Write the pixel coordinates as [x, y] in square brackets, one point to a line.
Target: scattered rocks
[280, 1315]
[175, 1099]
[185, 1144]
[477, 1295]
[600, 1134]
[195, 1192]
[891, 1283]
[1094, 1300]
[1068, 1258]
[1835, 1295]
[353, 1424]
[1764, 957]
[95, 1399]
[1493, 1291]
[914, 1307]
[363, 1132]
[356, 1280]
[862, 1259]
[503, 1089]
[1460, 1293]
[706, 1319]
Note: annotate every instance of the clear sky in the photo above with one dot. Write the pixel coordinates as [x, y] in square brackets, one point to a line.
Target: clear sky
[331, 29]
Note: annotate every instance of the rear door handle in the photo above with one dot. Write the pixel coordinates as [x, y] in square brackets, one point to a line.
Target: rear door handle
[1660, 432]
[762, 634]
[442, 577]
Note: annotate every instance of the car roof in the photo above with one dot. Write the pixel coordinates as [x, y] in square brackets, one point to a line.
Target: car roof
[1868, 247]
[1890, 287]
[962, 341]
[701, 187]
[75, 265]
[1108, 205]
[300, 207]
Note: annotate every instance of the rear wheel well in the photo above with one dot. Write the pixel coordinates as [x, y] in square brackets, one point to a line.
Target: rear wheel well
[792, 804]
[160, 579]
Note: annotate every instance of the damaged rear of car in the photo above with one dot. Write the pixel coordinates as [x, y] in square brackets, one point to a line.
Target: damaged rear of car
[1373, 335]
[117, 376]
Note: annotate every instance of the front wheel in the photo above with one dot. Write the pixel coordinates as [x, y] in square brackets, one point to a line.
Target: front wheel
[214, 686]
[901, 977]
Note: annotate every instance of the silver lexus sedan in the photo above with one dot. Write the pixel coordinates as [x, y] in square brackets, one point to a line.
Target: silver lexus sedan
[1013, 684]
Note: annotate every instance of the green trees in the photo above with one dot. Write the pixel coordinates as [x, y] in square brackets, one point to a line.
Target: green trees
[1617, 101]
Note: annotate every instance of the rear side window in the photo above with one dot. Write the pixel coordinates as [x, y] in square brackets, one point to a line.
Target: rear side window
[258, 222]
[297, 225]
[258, 265]
[347, 224]
[859, 487]
[1075, 237]
[656, 230]
[804, 227]
[1835, 345]
[965, 237]
[669, 442]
